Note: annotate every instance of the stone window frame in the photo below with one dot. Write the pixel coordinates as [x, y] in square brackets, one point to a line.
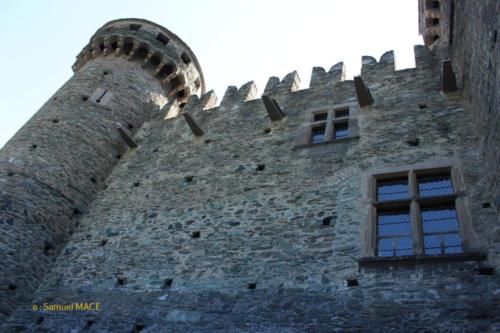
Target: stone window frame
[466, 232]
[304, 134]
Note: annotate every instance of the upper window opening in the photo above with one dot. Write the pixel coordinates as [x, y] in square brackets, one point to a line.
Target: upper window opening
[430, 186]
[341, 113]
[320, 116]
[135, 27]
[392, 190]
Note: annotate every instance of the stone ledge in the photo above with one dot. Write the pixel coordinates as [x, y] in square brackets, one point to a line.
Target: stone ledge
[420, 259]
[324, 143]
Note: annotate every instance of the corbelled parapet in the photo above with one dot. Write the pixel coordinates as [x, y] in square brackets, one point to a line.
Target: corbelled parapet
[154, 48]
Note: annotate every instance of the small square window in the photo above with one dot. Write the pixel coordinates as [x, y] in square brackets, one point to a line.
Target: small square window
[392, 190]
[341, 113]
[340, 130]
[320, 116]
[328, 125]
[318, 134]
[430, 186]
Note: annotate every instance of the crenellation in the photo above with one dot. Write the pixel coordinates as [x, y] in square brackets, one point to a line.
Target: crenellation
[277, 88]
[233, 96]
[320, 77]
[386, 65]
[205, 102]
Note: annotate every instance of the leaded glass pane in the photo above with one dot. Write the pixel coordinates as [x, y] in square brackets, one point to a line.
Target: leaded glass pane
[440, 228]
[397, 246]
[394, 233]
[392, 190]
[431, 186]
[439, 220]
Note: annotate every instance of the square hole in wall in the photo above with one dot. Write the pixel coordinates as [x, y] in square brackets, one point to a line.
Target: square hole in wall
[162, 38]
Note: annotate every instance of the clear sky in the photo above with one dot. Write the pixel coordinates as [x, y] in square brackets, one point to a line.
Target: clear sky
[236, 41]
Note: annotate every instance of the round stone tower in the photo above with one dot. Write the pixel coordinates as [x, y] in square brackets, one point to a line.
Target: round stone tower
[57, 162]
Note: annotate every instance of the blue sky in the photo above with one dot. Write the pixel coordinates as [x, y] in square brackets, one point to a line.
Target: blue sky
[235, 41]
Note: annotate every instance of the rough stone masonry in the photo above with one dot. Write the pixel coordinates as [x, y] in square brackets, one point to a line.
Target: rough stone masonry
[132, 188]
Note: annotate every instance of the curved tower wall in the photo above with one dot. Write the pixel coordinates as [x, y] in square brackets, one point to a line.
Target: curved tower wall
[57, 162]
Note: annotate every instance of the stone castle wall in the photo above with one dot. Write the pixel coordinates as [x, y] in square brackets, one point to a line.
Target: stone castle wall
[225, 232]
[469, 38]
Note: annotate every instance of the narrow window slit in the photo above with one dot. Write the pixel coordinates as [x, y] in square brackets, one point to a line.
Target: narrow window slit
[195, 234]
[252, 285]
[98, 100]
[486, 271]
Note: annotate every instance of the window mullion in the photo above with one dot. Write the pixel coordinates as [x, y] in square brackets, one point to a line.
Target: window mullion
[329, 126]
[416, 225]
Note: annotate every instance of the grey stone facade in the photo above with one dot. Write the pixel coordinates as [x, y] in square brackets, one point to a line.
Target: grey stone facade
[245, 226]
